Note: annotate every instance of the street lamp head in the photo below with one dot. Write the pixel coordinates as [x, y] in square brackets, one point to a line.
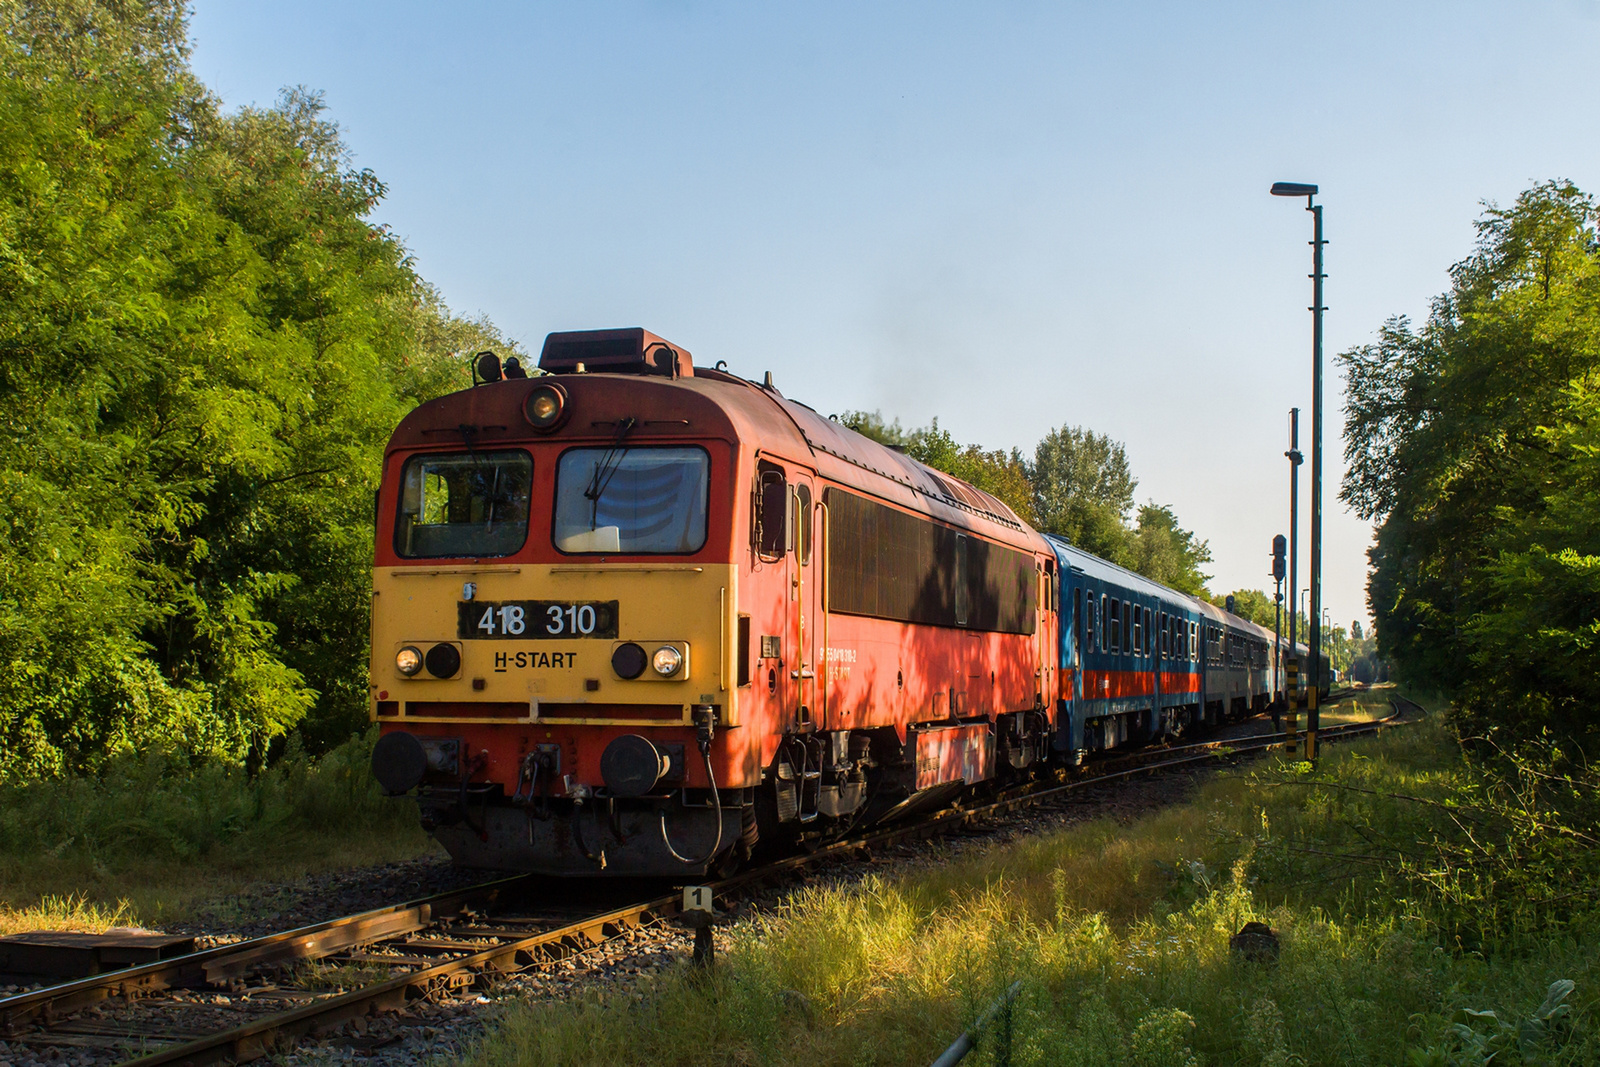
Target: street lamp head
[1293, 189]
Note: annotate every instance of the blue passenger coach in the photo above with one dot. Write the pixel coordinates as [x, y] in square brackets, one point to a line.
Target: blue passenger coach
[1141, 661]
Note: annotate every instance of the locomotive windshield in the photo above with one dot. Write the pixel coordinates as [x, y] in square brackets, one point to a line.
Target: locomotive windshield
[632, 501]
[464, 504]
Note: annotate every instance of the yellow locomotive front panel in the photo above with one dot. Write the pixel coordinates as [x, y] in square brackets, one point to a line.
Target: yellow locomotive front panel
[564, 643]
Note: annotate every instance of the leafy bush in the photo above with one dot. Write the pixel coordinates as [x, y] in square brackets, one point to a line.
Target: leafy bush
[1492, 853]
[157, 809]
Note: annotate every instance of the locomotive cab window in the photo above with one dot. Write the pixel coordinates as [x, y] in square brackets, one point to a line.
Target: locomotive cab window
[463, 504]
[632, 501]
[772, 510]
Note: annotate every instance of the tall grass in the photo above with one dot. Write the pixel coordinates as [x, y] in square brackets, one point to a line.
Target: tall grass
[151, 833]
[1120, 935]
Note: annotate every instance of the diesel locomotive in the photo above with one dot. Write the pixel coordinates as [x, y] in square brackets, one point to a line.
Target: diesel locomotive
[636, 617]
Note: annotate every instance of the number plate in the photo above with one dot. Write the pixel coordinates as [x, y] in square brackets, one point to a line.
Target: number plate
[535, 620]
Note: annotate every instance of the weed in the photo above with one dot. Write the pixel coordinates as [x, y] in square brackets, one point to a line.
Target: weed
[1120, 935]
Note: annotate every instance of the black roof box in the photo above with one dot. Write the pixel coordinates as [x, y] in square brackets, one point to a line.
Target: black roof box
[630, 351]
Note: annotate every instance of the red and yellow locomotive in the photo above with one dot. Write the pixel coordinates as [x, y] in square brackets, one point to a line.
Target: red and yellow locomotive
[632, 616]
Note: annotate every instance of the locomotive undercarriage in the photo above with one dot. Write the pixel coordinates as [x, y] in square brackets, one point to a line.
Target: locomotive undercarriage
[819, 785]
[593, 836]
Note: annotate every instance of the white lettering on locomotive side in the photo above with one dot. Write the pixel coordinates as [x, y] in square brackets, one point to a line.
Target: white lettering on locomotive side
[523, 661]
[840, 661]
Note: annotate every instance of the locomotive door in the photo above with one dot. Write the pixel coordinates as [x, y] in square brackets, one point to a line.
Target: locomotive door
[786, 537]
[807, 674]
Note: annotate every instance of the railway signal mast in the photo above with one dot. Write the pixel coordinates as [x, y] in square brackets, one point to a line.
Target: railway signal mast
[1314, 641]
[1278, 548]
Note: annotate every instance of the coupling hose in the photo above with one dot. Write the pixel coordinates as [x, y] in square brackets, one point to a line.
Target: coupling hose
[716, 804]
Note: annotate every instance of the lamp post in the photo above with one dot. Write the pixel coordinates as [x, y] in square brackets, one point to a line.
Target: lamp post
[1315, 637]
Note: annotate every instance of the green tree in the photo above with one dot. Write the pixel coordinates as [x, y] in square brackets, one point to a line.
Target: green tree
[1083, 491]
[204, 342]
[1252, 605]
[1167, 553]
[1001, 475]
[1472, 442]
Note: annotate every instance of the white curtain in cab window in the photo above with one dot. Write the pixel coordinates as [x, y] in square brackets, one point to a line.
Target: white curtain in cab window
[633, 502]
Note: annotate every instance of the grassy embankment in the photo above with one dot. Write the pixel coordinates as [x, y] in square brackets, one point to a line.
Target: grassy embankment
[149, 841]
[1120, 933]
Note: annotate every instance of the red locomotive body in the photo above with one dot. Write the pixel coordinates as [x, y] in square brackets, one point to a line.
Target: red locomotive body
[634, 616]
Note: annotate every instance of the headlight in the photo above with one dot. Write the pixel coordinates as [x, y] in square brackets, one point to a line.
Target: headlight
[546, 407]
[408, 661]
[666, 661]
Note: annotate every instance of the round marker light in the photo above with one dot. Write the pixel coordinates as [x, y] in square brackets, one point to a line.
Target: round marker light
[628, 661]
[442, 660]
[666, 661]
[546, 407]
[408, 661]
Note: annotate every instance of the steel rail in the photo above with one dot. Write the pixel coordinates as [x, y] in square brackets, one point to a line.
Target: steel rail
[254, 1039]
[223, 962]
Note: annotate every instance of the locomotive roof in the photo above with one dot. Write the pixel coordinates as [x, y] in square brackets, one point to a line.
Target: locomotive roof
[718, 404]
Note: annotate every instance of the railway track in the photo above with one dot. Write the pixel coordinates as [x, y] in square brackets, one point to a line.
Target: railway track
[237, 1002]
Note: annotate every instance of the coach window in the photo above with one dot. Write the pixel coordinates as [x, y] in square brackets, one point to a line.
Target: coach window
[1103, 619]
[1116, 625]
[1138, 631]
[1085, 601]
[772, 508]
[1077, 623]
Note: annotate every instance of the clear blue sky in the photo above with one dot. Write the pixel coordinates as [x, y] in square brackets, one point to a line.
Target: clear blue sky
[1009, 216]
